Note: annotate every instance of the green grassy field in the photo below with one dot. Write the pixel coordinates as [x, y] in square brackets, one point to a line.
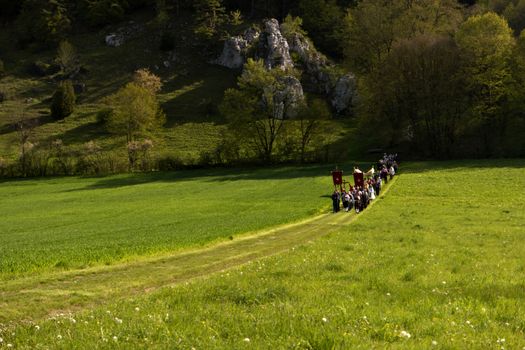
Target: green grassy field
[436, 263]
[70, 223]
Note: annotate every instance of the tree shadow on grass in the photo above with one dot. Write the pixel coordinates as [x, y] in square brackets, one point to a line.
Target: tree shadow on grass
[212, 176]
[460, 165]
[195, 97]
[82, 133]
[41, 120]
[282, 173]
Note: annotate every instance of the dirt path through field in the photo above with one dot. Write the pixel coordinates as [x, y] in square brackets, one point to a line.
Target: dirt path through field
[36, 297]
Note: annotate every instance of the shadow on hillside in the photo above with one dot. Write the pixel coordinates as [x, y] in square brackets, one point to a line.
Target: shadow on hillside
[210, 176]
[461, 165]
[31, 122]
[82, 133]
[195, 97]
[225, 175]
[96, 92]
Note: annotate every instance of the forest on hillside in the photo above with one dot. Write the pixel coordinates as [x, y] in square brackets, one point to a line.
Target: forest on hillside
[437, 79]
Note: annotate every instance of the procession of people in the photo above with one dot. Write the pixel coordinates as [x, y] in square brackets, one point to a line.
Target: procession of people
[367, 186]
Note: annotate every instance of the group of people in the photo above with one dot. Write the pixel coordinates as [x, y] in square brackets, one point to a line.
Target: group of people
[387, 166]
[358, 197]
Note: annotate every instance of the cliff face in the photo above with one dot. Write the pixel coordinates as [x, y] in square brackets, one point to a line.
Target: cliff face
[276, 51]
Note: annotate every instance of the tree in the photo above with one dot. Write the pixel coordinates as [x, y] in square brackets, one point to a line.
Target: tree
[486, 44]
[419, 89]
[67, 58]
[371, 28]
[46, 21]
[515, 109]
[102, 12]
[134, 111]
[515, 14]
[254, 113]
[209, 16]
[320, 17]
[63, 102]
[519, 64]
[149, 81]
[309, 120]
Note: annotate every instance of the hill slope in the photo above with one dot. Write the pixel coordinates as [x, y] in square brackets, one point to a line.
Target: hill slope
[193, 89]
[434, 263]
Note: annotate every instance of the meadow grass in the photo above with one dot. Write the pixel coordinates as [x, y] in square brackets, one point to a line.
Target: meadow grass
[71, 223]
[436, 263]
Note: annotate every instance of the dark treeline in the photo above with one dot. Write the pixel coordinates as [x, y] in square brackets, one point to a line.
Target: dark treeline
[441, 79]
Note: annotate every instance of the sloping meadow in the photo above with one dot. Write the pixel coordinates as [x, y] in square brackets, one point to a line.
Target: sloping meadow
[51, 225]
[436, 263]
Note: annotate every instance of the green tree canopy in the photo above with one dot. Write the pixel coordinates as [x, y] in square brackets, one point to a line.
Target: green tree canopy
[486, 44]
[251, 109]
[135, 111]
[209, 16]
[63, 102]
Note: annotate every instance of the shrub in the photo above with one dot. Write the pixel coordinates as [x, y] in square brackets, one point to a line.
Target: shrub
[147, 80]
[135, 111]
[67, 58]
[139, 152]
[63, 102]
[43, 21]
[170, 163]
[61, 162]
[40, 68]
[33, 161]
[3, 96]
[102, 12]
[3, 167]
[103, 116]
[90, 160]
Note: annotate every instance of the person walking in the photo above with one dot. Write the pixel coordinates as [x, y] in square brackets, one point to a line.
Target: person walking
[335, 201]
[344, 198]
[384, 174]
[378, 186]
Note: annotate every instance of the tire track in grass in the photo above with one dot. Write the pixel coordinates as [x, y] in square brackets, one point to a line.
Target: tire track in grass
[33, 298]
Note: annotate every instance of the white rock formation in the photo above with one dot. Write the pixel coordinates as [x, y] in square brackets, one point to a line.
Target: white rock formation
[114, 40]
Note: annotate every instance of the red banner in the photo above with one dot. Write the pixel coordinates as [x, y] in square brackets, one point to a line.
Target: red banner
[359, 179]
[337, 176]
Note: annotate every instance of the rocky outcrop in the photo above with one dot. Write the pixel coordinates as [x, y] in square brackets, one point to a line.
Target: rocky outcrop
[312, 59]
[289, 98]
[234, 53]
[119, 37]
[341, 89]
[114, 40]
[270, 46]
[313, 63]
[273, 47]
[344, 94]
[275, 50]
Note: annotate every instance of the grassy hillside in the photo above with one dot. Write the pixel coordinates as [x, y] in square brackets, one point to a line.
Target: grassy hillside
[437, 263]
[192, 90]
[79, 222]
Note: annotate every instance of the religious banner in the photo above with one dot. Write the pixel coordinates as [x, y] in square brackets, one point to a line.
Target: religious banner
[337, 176]
[359, 179]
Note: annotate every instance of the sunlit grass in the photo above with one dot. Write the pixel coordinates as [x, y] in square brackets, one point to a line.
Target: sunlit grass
[438, 263]
[79, 222]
